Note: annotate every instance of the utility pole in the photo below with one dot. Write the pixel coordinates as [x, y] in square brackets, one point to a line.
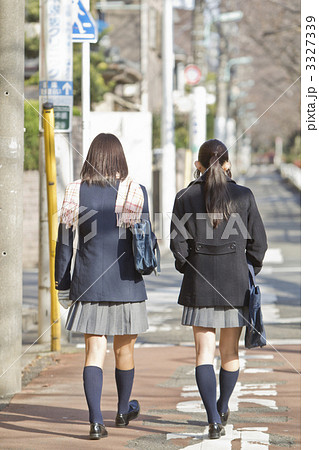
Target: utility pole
[168, 176]
[223, 74]
[198, 112]
[11, 206]
[198, 37]
[222, 89]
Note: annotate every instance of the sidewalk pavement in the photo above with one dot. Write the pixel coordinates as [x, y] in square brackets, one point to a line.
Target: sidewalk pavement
[51, 410]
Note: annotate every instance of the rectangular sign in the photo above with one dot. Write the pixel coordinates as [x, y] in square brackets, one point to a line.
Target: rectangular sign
[56, 59]
[55, 88]
[62, 116]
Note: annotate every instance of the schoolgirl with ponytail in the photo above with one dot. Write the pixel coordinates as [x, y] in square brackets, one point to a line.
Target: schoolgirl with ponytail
[213, 156]
[211, 249]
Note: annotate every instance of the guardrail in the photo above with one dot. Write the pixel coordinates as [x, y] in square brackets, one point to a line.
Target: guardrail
[292, 173]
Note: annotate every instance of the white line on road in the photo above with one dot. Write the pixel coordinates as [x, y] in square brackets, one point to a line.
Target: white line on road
[274, 255]
[250, 437]
[268, 270]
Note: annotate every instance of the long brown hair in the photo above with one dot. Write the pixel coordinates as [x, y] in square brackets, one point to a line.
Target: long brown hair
[212, 155]
[105, 161]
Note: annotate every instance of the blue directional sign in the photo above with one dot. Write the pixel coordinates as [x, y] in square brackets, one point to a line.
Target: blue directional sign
[60, 93]
[55, 88]
[84, 27]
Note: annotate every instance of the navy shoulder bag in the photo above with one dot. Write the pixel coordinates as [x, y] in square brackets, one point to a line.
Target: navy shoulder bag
[255, 331]
[145, 248]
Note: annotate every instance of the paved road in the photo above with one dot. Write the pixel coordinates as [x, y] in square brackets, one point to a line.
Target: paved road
[266, 404]
[51, 411]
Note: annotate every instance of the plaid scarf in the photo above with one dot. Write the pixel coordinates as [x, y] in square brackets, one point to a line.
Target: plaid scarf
[128, 206]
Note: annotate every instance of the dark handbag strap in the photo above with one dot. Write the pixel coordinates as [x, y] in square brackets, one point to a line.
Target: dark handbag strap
[158, 257]
[252, 279]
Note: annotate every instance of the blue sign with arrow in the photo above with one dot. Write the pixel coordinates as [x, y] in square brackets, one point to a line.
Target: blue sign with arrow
[54, 88]
[84, 28]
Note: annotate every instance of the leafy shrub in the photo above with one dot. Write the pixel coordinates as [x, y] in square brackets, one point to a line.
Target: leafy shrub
[31, 135]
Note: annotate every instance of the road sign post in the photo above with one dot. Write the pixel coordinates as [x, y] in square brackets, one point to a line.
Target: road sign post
[55, 86]
[84, 30]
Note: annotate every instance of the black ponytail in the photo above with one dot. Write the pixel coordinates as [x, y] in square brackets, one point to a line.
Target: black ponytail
[212, 155]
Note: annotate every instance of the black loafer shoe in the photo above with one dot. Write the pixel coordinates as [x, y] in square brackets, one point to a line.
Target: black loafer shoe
[122, 420]
[224, 417]
[97, 431]
[216, 430]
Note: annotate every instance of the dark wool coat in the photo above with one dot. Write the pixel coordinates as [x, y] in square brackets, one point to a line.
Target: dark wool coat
[213, 261]
[104, 268]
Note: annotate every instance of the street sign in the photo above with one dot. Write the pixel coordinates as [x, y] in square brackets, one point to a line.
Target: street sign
[192, 74]
[61, 117]
[84, 28]
[56, 61]
[60, 93]
[55, 88]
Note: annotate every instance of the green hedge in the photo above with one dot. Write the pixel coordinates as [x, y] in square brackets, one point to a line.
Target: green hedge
[31, 135]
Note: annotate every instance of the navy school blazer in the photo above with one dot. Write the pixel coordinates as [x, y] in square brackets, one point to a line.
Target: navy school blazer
[104, 268]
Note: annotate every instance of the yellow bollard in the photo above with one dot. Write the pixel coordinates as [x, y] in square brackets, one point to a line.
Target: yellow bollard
[50, 168]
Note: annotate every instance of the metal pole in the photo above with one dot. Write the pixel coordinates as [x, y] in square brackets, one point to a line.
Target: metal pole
[11, 207]
[278, 151]
[168, 181]
[50, 168]
[85, 91]
[222, 90]
[198, 120]
[144, 55]
[44, 265]
[85, 97]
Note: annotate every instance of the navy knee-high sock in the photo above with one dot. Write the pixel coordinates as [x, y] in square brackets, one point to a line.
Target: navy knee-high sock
[206, 382]
[124, 382]
[227, 382]
[93, 382]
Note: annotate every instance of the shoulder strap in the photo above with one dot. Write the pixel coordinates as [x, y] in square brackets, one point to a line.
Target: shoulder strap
[252, 278]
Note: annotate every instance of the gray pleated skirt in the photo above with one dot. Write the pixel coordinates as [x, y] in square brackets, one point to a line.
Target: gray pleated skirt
[215, 316]
[107, 318]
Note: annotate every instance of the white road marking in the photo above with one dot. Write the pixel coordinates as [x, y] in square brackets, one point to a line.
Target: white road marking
[191, 406]
[258, 370]
[254, 438]
[273, 256]
[250, 437]
[269, 270]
